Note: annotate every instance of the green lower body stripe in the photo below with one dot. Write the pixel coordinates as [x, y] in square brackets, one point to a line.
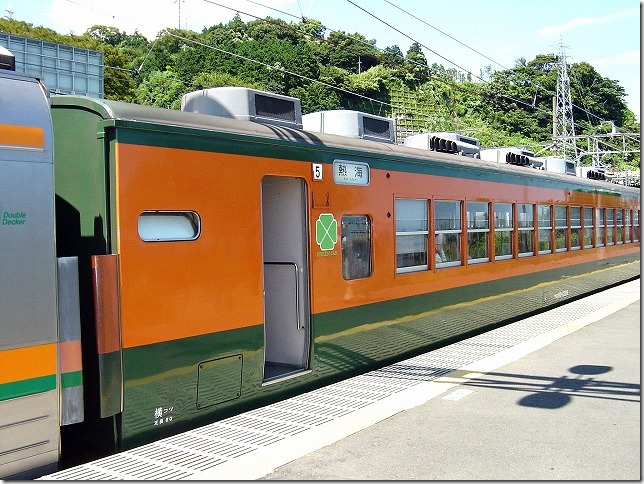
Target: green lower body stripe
[71, 379]
[27, 387]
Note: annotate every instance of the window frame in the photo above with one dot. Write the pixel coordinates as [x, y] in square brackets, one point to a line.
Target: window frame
[478, 230]
[545, 229]
[610, 226]
[600, 227]
[561, 227]
[345, 249]
[415, 233]
[509, 230]
[636, 225]
[191, 215]
[522, 229]
[576, 225]
[588, 229]
[447, 232]
[619, 226]
[628, 226]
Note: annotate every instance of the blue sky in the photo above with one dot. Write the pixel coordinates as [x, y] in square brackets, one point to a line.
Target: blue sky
[604, 33]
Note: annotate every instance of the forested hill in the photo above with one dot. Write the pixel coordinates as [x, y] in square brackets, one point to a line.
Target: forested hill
[332, 70]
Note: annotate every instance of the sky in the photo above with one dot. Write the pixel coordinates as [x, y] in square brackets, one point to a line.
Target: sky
[464, 34]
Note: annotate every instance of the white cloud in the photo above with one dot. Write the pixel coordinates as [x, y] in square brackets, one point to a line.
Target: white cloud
[631, 58]
[149, 16]
[584, 22]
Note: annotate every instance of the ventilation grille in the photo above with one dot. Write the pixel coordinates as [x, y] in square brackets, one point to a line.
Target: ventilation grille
[376, 127]
[271, 107]
[445, 142]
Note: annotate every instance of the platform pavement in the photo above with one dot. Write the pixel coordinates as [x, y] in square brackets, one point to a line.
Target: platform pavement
[568, 411]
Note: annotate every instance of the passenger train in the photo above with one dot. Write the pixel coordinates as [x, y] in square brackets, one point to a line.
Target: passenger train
[162, 269]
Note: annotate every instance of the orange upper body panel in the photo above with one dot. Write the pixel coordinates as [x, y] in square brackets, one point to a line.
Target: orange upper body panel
[178, 289]
[172, 290]
[29, 362]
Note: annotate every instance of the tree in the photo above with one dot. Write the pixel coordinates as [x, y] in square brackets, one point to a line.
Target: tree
[416, 62]
[352, 52]
[162, 89]
[392, 54]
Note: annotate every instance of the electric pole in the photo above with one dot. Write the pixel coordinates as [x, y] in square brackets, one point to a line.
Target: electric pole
[563, 126]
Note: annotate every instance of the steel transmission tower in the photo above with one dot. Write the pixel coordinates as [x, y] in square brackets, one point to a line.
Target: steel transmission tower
[563, 126]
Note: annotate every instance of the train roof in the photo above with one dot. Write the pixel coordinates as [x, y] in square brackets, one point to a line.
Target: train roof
[122, 114]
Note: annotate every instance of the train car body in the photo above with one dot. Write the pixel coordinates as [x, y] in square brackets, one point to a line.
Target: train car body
[226, 263]
[40, 365]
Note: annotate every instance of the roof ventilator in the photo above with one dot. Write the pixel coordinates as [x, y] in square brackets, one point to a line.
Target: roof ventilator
[591, 173]
[245, 104]
[554, 164]
[445, 142]
[352, 124]
[512, 156]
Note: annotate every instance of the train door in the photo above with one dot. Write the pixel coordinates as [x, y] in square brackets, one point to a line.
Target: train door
[286, 279]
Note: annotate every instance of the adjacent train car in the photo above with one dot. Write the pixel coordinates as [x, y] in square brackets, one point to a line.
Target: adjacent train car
[224, 263]
[40, 363]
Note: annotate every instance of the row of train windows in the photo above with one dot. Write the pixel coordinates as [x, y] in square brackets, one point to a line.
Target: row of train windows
[558, 228]
[493, 231]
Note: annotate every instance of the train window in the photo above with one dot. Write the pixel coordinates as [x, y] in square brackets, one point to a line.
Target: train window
[478, 232]
[356, 246]
[165, 226]
[610, 226]
[619, 226]
[599, 228]
[447, 220]
[588, 227]
[636, 225]
[503, 231]
[525, 216]
[575, 228]
[545, 228]
[411, 235]
[628, 237]
[561, 228]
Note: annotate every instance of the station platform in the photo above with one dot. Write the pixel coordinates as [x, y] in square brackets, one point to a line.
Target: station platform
[553, 396]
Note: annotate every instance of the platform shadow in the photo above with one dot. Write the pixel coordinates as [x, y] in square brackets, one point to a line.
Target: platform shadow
[556, 392]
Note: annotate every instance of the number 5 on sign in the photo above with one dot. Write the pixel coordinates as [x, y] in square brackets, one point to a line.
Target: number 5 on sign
[317, 171]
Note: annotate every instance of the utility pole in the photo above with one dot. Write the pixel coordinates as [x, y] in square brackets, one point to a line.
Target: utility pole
[563, 126]
[564, 139]
[179, 3]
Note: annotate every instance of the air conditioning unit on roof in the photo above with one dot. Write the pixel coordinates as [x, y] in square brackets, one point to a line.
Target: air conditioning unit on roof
[352, 124]
[245, 104]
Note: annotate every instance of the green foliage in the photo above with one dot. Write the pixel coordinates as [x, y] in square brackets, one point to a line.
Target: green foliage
[161, 89]
[511, 107]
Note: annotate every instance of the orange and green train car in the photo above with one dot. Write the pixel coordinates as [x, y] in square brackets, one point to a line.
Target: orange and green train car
[229, 262]
[224, 263]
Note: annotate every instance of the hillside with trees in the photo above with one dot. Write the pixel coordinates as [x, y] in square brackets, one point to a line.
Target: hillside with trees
[339, 70]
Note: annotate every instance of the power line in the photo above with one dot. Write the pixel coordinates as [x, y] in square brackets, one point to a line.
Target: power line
[537, 85]
[379, 60]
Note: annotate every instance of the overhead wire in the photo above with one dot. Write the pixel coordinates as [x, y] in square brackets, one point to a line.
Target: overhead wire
[440, 79]
[519, 101]
[549, 112]
[279, 68]
[537, 85]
